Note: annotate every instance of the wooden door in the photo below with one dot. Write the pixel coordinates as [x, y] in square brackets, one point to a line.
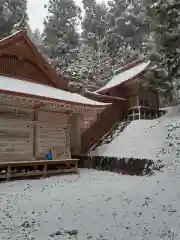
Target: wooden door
[52, 135]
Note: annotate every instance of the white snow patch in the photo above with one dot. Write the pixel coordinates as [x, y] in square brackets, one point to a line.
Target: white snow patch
[20, 86]
[99, 205]
[124, 76]
[141, 138]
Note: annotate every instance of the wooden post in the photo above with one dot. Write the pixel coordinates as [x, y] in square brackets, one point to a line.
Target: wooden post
[45, 170]
[139, 113]
[151, 115]
[144, 115]
[8, 173]
[34, 135]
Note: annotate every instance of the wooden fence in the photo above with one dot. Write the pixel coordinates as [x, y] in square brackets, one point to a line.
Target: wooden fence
[132, 166]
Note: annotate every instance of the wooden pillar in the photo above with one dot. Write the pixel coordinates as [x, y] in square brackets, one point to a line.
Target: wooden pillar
[144, 115]
[45, 170]
[150, 115]
[34, 134]
[139, 112]
[75, 134]
[137, 100]
[8, 173]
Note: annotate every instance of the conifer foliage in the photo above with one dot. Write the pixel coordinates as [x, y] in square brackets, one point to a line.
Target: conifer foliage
[61, 39]
[165, 43]
[13, 16]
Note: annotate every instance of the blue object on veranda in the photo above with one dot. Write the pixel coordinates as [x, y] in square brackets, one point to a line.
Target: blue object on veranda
[49, 156]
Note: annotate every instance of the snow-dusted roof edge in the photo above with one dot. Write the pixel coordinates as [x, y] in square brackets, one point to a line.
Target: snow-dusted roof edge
[9, 36]
[17, 86]
[105, 96]
[126, 74]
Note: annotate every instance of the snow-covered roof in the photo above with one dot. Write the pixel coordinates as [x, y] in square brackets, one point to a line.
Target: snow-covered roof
[9, 36]
[125, 75]
[25, 87]
[104, 96]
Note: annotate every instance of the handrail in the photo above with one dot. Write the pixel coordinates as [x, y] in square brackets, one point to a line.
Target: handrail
[107, 119]
[97, 142]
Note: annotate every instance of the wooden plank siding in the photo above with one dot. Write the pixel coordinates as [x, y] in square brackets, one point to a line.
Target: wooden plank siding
[106, 120]
[87, 120]
[55, 137]
[148, 95]
[20, 58]
[23, 69]
[128, 90]
[52, 131]
[16, 133]
[16, 139]
[27, 134]
[11, 112]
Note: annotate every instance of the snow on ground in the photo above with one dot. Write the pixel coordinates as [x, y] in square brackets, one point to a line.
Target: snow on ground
[99, 205]
[141, 138]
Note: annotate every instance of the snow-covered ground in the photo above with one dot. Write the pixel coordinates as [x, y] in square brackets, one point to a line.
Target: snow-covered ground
[141, 138]
[100, 205]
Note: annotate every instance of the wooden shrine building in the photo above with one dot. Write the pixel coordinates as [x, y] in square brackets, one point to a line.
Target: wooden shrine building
[131, 99]
[37, 112]
[129, 84]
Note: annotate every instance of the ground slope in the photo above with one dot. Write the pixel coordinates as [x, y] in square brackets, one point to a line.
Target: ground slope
[141, 138]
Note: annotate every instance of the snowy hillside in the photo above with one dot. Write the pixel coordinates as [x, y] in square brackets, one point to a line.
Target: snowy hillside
[102, 205]
[142, 138]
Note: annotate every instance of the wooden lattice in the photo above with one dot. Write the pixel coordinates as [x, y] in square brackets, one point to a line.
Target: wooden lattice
[23, 69]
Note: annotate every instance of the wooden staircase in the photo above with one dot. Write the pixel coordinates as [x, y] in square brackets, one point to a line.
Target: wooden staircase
[111, 135]
[106, 121]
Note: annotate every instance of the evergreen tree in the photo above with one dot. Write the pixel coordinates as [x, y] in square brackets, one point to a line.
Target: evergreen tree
[94, 24]
[92, 68]
[165, 47]
[37, 37]
[60, 36]
[89, 70]
[13, 16]
[128, 31]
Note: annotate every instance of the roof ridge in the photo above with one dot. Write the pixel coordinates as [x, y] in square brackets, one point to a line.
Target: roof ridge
[10, 36]
[56, 80]
[130, 65]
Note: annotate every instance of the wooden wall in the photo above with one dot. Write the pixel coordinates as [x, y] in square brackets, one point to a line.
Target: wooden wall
[53, 136]
[87, 120]
[52, 131]
[136, 94]
[75, 121]
[106, 120]
[16, 134]
[23, 69]
[16, 140]
[128, 90]
[148, 97]
[25, 135]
